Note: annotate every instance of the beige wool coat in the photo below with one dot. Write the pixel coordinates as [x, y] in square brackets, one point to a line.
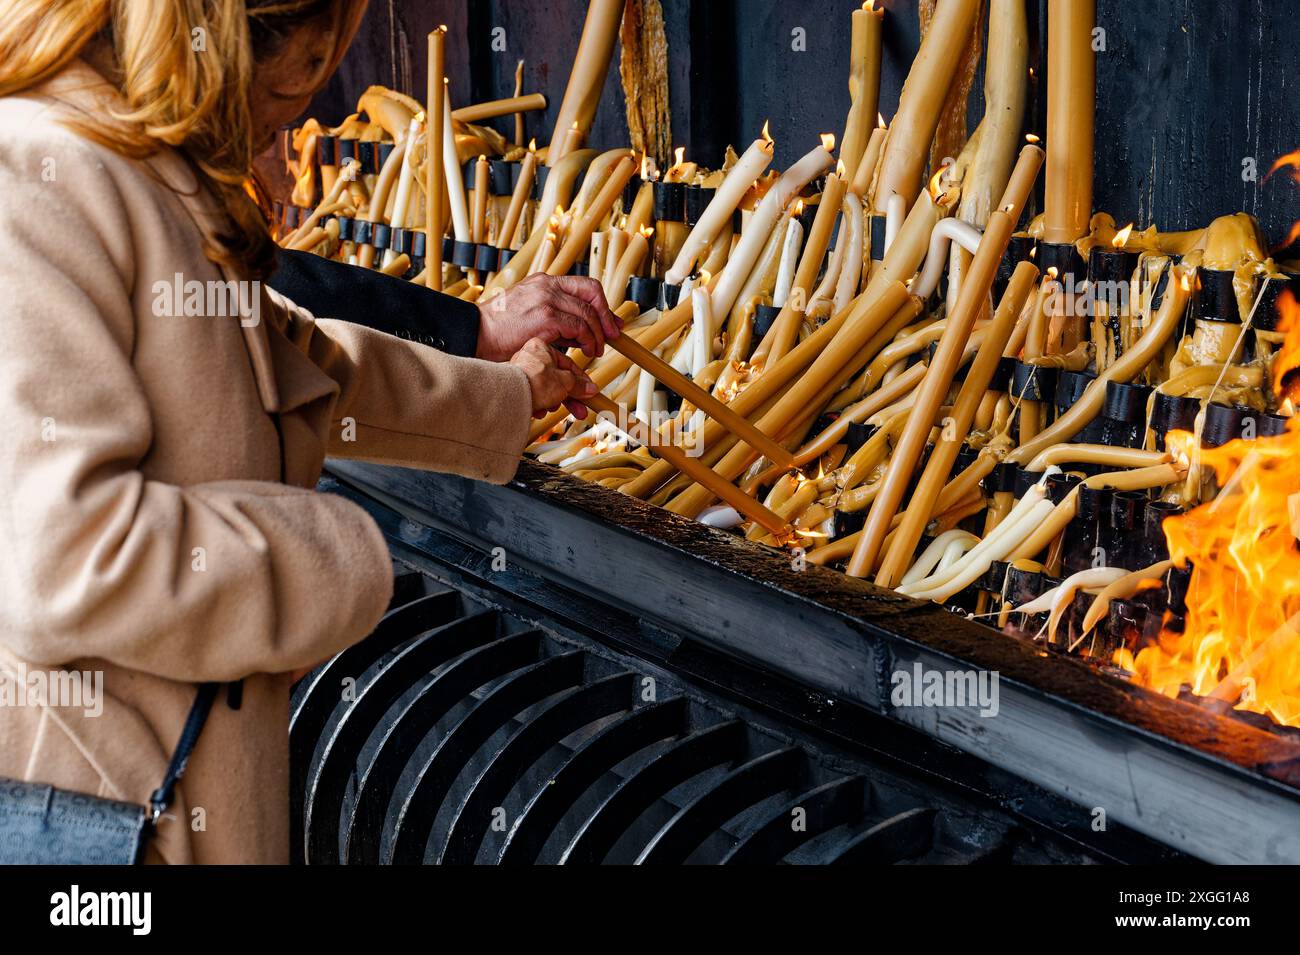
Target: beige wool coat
[157, 520]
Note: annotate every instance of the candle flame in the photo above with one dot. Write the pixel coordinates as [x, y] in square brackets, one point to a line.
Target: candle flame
[1290, 238]
[880, 121]
[767, 136]
[646, 232]
[1032, 138]
[1051, 271]
[419, 117]
[532, 145]
[679, 154]
[1033, 253]
[828, 142]
[1121, 236]
[798, 208]
[645, 165]
[1185, 280]
[1291, 159]
[935, 180]
[839, 168]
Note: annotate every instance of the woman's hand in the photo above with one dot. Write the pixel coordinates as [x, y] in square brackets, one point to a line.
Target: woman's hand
[566, 311]
[554, 379]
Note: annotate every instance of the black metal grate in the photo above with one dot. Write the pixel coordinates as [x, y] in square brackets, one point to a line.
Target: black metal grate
[460, 733]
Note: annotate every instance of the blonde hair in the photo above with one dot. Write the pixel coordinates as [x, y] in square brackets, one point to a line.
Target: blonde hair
[185, 70]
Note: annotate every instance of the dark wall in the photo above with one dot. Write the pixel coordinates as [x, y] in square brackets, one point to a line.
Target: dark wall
[1187, 90]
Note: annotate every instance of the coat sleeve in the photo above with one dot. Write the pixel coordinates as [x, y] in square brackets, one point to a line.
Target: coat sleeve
[209, 581]
[404, 403]
[364, 296]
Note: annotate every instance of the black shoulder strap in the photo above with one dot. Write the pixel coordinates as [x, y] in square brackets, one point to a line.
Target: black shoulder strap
[162, 796]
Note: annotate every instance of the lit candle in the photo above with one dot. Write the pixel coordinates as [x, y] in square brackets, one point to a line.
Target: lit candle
[938, 378]
[870, 159]
[629, 264]
[580, 232]
[571, 140]
[480, 199]
[921, 101]
[760, 224]
[615, 244]
[789, 259]
[527, 170]
[1071, 91]
[691, 466]
[434, 107]
[786, 327]
[864, 81]
[721, 207]
[921, 506]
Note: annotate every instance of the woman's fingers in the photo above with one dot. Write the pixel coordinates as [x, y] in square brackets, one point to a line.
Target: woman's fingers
[589, 292]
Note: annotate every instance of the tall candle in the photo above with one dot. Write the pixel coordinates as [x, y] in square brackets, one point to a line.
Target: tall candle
[590, 64]
[615, 244]
[479, 226]
[580, 232]
[789, 260]
[405, 178]
[1071, 92]
[628, 264]
[451, 169]
[721, 207]
[864, 82]
[516, 104]
[760, 224]
[434, 107]
[943, 366]
[867, 165]
[527, 170]
[921, 101]
[519, 116]
[942, 458]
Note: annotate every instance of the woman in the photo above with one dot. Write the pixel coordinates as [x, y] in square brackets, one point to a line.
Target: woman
[160, 526]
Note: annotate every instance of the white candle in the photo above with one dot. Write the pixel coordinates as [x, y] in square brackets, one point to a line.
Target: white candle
[451, 165]
[404, 180]
[721, 207]
[789, 259]
[645, 394]
[760, 225]
[702, 337]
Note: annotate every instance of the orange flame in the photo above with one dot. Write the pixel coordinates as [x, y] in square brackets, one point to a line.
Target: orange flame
[1121, 236]
[1032, 138]
[1290, 238]
[828, 142]
[1240, 643]
[1292, 160]
[767, 136]
[880, 121]
[532, 145]
[839, 168]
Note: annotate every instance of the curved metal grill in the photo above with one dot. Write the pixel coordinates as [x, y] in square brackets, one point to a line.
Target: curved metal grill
[457, 734]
